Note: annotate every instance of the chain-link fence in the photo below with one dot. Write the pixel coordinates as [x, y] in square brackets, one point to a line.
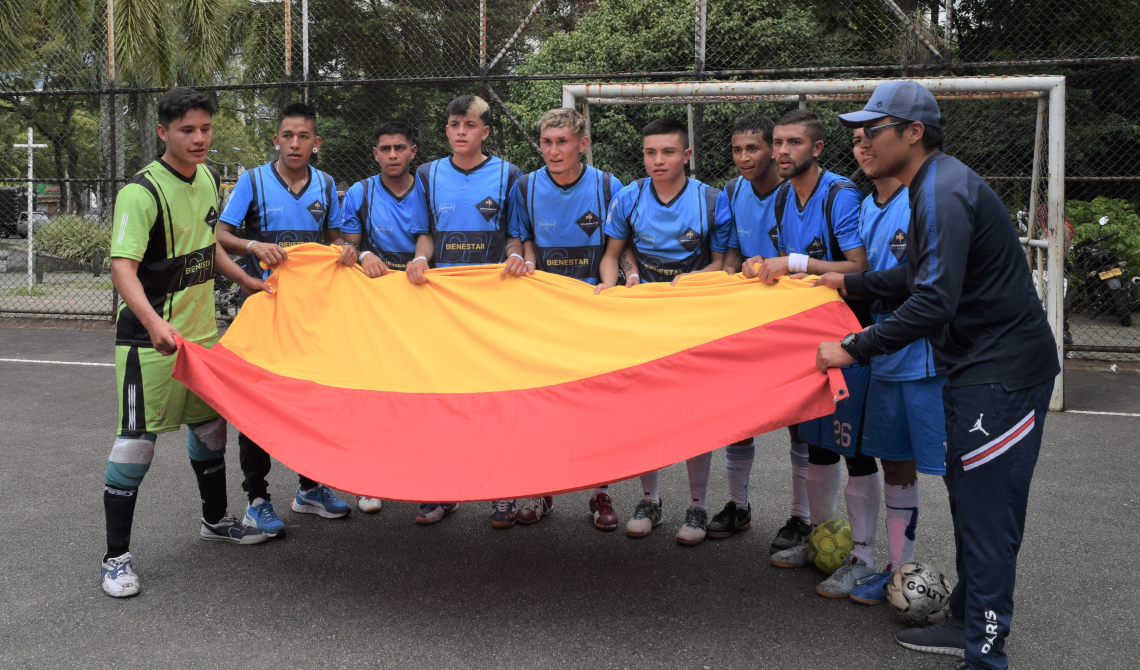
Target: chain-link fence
[93, 104]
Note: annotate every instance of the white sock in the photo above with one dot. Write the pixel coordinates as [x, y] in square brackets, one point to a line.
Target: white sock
[738, 470]
[823, 491]
[698, 479]
[599, 489]
[902, 519]
[650, 482]
[862, 495]
[799, 456]
[257, 501]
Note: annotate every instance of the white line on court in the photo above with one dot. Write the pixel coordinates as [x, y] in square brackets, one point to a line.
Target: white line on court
[29, 360]
[1082, 411]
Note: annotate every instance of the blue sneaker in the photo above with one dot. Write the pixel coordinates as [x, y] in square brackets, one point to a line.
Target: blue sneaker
[119, 581]
[320, 501]
[263, 518]
[872, 589]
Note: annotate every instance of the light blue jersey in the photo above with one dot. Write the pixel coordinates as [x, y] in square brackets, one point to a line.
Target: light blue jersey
[746, 220]
[468, 210]
[883, 228]
[565, 222]
[390, 223]
[265, 210]
[805, 230]
[668, 239]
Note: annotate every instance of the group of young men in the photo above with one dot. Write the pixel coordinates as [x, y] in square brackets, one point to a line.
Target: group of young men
[784, 215]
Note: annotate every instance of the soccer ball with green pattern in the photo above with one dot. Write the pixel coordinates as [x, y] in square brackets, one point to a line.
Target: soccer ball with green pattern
[829, 545]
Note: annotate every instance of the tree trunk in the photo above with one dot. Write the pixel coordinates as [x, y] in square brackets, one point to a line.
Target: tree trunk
[148, 119]
[111, 164]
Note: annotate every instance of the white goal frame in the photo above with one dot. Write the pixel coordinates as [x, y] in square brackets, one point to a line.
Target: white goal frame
[1049, 89]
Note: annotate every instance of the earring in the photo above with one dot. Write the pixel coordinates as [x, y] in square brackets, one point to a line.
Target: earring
[314, 150]
[277, 148]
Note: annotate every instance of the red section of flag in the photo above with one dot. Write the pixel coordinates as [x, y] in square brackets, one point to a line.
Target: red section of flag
[521, 443]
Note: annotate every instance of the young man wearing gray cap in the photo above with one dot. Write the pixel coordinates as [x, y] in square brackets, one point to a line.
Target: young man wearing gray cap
[967, 288]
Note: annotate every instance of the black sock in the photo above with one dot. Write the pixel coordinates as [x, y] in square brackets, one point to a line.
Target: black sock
[306, 483]
[212, 487]
[119, 506]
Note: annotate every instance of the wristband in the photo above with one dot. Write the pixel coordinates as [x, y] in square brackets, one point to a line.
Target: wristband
[798, 262]
[529, 262]
[350, 243]
[628, 277]
[517, 256]
[419, 258]
[362, 255]
[251, 243]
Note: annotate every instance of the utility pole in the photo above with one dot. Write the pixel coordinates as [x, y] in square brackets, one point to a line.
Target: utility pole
[30, 146]
[305, 47]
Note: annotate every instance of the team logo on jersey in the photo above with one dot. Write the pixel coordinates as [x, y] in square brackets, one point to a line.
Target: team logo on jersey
[212, 218]
[589, 222]
[317, 209]
[690, 239]
[898, 244]
[815, 248]
[774, 234]
[488, 208]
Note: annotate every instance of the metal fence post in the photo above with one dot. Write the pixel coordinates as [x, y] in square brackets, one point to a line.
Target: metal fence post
[1057, 253]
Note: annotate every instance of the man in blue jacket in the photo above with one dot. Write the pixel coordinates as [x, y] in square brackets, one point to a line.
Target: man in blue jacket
[967, 288]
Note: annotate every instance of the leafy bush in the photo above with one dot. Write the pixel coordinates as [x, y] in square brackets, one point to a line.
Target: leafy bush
[74, 237]
[1123, 219]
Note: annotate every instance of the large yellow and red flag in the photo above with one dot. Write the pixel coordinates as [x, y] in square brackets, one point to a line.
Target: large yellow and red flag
[474, 388]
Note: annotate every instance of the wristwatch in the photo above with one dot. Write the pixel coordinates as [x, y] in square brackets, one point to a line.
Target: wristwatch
[351, 243]
[849, 345]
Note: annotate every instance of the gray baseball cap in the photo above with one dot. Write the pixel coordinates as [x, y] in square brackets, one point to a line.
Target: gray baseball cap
[901, 99]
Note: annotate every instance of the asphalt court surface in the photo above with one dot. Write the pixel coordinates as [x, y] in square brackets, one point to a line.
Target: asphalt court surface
[380, 591]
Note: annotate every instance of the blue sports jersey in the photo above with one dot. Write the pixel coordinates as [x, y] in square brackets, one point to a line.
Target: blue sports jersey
[746, 220]
[391, 223]
[668, 238]
[565, 222]
[883, 229]
[468, 210]
[265, 210]
[804, 230]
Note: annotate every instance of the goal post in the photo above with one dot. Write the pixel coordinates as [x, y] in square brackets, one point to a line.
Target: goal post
[1048, 149]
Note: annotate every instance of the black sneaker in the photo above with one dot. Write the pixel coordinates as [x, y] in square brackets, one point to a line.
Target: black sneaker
[730, 520]
[947, 637]
[503, 514]
[795, 531]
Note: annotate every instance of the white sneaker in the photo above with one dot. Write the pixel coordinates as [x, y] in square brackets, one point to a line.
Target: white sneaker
[840, 583]
[794, 557]
[368, 505]
[693, 531]
[119, 581]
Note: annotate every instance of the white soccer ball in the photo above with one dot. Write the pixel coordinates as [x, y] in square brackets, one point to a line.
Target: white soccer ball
[919, 593]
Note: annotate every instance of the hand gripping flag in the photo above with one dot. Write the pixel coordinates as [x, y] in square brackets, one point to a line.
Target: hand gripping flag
[474, 388]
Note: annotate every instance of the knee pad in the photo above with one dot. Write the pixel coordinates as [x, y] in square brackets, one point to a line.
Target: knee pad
[207, 440]
[861, 465]
[737, 452]
[129, 461]
[821, 456]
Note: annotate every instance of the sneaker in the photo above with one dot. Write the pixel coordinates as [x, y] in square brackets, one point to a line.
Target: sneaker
[602, 509]
[646, 516]
[320, 501]
[693, 530]
[119, 581]
[796, 557]
[840, 583]
[947, 637]
[368, 505]
[533, 509]
[959, 664]
[730, 520]
[434, 512]
[229, 530]
[872, 589]
[503, 514]
[263, 518]
[794, 532]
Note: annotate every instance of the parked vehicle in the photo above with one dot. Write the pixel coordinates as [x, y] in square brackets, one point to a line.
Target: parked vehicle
[228, 296]
[38, 219]
[1101, 274]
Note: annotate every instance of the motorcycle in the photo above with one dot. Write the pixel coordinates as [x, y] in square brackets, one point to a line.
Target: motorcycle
[1101, 275]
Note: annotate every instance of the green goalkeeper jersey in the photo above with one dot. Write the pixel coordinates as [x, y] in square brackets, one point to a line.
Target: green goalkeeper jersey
[166, 222]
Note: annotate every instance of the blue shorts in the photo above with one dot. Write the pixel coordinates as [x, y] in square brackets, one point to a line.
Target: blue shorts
[906, 421]
[840, 431]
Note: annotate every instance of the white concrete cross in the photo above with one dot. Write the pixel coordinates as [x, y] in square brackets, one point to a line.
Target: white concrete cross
[30, 146]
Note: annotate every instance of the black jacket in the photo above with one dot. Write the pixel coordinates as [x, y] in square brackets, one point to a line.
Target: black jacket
[967, 286]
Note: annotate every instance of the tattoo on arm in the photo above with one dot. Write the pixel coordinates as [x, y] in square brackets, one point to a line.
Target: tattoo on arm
[513, 247]
[626, 266]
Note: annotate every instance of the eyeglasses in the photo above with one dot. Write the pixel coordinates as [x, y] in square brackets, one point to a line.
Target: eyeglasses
[869, 133]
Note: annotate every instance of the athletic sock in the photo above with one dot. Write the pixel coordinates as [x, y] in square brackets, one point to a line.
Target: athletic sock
[119, 506]
[650, 482]
[799, 456]
[256, 501]
[599, 489]
[738, 470]
[211, 476]
[902, 519]
[698, 467]
[823, 491]
[862, 495]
